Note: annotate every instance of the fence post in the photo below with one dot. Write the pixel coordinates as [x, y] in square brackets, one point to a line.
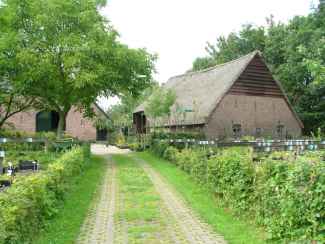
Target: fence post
[2, 156]
[46, 145]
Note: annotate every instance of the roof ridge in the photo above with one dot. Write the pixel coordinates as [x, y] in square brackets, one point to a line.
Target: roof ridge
[215, 66]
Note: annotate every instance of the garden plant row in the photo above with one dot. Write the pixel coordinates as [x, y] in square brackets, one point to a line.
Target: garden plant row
[26, 206]
[283, 192]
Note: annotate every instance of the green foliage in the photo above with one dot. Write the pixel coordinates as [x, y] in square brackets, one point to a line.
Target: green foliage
[231, 175]
[171, 154]
[248, 39]
[134, 146]
[44, 158]
[291, 200]
[141, 205]
[203, 202]
[121, 114]
[22, 146]
[159, 147]
[70, 218]
[65, 54]
[284, 192]
[202, 63]
[41, 141]
[25, 206]
[159, 103]
[120, 140]
[317, 135]
[13, 134]
[177, 135]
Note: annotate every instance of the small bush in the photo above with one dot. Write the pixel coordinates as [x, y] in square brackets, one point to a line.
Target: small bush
[135, 146]
[171, 154]
[159, 147]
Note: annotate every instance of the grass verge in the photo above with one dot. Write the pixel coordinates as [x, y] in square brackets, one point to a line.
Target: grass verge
[204, 203]
[140, 203]
[65, 226]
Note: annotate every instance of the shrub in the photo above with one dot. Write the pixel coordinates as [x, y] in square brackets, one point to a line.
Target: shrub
[284, 192]
[178, 135]
[135, 146]
[291, 200]
[44, 158]
[25, 206]
[159, 147]
[170, 154]
[231, 175]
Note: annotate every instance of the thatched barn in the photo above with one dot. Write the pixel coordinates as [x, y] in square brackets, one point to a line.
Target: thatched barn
[234, 99]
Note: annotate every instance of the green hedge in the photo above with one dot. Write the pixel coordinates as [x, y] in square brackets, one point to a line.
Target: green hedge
[287, 197]
[30, 202]
[178, 135]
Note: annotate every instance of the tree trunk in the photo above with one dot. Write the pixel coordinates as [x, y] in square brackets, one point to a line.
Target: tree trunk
[2, 122]
[61, 125]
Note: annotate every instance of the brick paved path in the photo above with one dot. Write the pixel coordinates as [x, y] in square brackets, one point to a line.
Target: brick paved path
[180, 224]
[193, 229]
[99, 224]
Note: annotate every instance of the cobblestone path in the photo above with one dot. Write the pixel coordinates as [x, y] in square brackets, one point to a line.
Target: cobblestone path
[110, 219]
[99, 224]
[193, 229]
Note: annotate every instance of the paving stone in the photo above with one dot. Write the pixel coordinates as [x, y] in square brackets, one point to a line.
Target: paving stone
[106, 224]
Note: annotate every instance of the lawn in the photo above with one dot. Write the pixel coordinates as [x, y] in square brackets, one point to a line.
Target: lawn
[204, 203]
[65, 226]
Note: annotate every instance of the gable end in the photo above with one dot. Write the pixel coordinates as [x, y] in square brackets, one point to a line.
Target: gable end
[256, 80]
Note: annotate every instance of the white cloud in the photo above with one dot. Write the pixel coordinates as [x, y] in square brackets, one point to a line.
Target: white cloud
[177, 30]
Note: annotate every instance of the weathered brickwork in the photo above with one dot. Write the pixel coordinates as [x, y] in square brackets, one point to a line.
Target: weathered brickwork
[252, 112]
[24, 121]
[76, 124]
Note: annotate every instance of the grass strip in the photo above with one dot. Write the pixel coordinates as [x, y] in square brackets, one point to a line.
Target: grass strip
[140, 207]
[204, 203]
[65, 226]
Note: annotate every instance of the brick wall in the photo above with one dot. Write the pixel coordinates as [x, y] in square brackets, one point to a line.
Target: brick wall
[251, 112]
[76, 125]
[24, 121]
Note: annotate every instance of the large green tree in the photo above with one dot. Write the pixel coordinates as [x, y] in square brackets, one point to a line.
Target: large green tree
[67, 54]
[295, 53]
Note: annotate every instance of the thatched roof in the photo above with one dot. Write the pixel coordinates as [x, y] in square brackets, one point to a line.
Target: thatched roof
[200, 92]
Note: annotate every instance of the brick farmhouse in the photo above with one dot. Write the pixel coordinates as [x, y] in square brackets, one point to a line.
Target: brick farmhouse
[76, 124]
[233, 99]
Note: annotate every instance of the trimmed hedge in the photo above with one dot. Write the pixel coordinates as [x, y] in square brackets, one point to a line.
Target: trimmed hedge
[30, 202]
[287, 197]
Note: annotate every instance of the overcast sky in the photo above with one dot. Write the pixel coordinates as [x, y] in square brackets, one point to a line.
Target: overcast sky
[177, 30]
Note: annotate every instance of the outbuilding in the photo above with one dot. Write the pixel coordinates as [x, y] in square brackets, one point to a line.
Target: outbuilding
[76, 124]
[234, 99]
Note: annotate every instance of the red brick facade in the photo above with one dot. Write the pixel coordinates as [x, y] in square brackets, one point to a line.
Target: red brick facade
[252, 113]
[76, 124]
